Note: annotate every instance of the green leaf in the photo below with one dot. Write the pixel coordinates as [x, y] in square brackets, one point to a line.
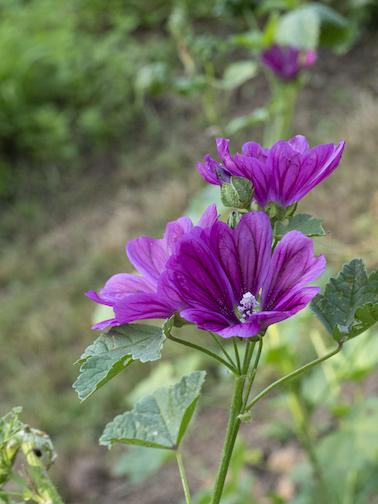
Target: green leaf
[238, 73]
[158, 420]
[238, 193]
[300, 222]
[299, 28]
[349, 304]
[115, 350]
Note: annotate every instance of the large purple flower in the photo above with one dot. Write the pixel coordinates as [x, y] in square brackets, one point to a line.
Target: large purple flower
[287, 61]
[285, 173]
[135, 297]
[231, 283]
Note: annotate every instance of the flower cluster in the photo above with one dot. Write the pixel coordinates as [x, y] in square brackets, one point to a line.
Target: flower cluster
[229, 281]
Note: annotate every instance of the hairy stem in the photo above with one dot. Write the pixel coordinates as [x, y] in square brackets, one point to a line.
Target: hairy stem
[183, 477]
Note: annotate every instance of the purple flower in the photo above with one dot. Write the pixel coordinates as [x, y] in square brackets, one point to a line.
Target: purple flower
[286, 62]
[135, 297]
[285, 173]
[219, 273]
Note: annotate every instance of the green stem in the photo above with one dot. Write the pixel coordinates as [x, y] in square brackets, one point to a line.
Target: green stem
[204, 350]
[46, 489]
[236, 354]
[293, 374]
[232, 431]
[183, 477]
[284, 97]
[223, 349]
[253, 373]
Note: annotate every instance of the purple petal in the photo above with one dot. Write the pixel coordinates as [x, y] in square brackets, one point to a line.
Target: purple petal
[213, 172]
[95, 297]
[106, 323]
[244, 252]
[142, 306]
[299, 299]
[261, 176]
[318, 165]
[209, 217]
[173, 232]
[207, 175]
[293, 266]
[266, 318]
[148, 257]
[285, 164]
[198, 277]
[242, 330]
[254, 150]
[124, 284]
[299, 143]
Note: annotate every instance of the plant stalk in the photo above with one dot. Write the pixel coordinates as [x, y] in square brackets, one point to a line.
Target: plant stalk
[183, 477]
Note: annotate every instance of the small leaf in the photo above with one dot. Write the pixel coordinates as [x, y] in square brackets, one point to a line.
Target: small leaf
[349, 304]
[158, 420]
[300, 222]
[115, 350]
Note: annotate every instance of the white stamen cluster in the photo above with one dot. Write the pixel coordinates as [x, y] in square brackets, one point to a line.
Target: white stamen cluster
[247, 306]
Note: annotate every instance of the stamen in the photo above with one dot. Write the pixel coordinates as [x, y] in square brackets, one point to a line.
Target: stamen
[247, 307]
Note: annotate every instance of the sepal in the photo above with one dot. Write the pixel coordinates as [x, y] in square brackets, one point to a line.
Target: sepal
[238, 193]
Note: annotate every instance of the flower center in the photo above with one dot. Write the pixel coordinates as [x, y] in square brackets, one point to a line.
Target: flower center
[247, 307]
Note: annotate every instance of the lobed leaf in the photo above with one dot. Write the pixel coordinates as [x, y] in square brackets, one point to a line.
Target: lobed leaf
[115, 350]
[158, 420]
[300, 222]
[349, 304]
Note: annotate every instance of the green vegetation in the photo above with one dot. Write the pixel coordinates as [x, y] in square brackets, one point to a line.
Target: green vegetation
[97, 109]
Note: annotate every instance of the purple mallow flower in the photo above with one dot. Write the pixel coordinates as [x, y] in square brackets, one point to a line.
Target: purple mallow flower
[287, 61]
[231, 283]
[135, 297]
[285, 173]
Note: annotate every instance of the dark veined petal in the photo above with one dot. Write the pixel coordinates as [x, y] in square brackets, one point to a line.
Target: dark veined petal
[142, 306]
[148, 257]
[261, 176]
[297, 299]
[299, 143]
[266, 318]
[243, 253]
[95, 297]
[293, 266]
[209, 170]
[285, 164]
[254, 150]
[106, 323]
[209, 216]
[207, 320]
[173, 233]
[125, 283]
[196, 274]
[324, 159]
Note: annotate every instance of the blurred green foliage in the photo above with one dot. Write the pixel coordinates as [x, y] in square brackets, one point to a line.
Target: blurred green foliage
[74, 74]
